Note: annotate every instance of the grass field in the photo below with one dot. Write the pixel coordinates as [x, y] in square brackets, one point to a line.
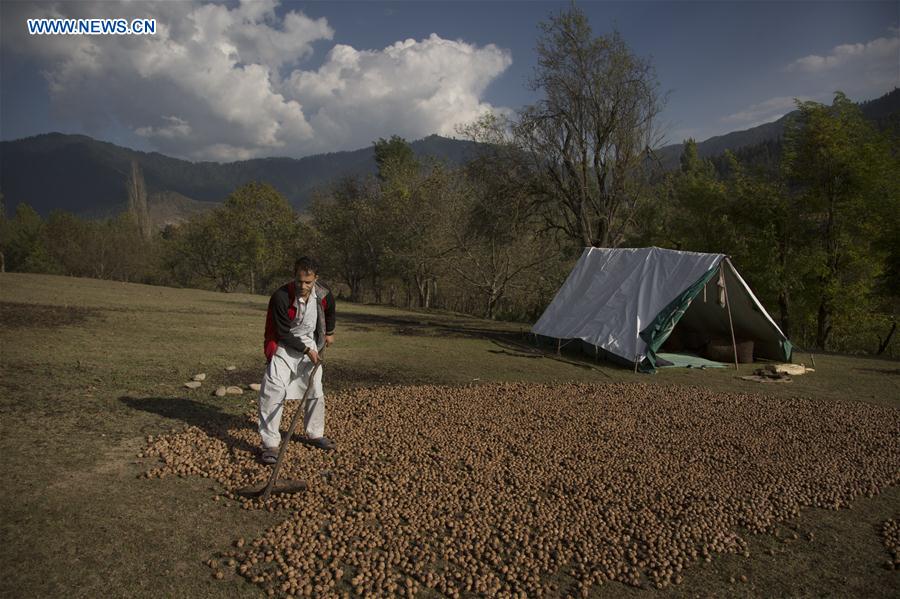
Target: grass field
[89, 368]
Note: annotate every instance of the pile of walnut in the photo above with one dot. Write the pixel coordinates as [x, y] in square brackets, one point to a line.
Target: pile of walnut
[510, 489]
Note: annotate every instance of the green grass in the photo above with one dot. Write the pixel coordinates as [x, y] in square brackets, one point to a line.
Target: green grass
[89, 368]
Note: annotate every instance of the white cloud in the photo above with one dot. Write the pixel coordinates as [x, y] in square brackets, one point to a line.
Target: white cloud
[219, 82]
[875, 52]
[862, 70]
[409, 88]
[173, 129]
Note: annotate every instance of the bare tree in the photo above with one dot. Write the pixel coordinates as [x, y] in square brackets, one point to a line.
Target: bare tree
[494, 230]
[590, 135]
[137, 200]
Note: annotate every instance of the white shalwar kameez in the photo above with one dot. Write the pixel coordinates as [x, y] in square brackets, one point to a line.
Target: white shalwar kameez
[286, 379]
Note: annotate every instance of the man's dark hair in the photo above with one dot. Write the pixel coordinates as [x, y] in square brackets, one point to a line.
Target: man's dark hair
[306, 264]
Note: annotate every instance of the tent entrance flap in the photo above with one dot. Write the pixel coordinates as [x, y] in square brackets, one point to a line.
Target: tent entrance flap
[706, 321]
[661, 327]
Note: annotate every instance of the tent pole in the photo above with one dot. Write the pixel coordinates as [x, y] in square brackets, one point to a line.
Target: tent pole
[728, 306]
[559, 347]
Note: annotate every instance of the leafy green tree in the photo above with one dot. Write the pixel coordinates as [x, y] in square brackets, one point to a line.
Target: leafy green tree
[412, 218]
[844, 176]
[261, 224]
[24, 242]
[772, 239]
[71, 243]
[395, 159]
[349, 237]
[205, 248]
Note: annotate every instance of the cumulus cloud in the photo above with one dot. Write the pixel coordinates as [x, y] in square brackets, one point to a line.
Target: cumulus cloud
[862, 70]
[409, 88]
[228, 82]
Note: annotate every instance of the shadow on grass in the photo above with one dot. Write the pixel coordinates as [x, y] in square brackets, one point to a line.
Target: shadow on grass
[422, 326]
[212, 420]
[509, 346]
[14, 315]
[893, 371]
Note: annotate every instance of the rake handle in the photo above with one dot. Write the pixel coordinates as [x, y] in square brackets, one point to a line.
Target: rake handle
[290, 432]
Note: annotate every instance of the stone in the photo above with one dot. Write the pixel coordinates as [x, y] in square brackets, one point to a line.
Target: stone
[221, 392]
[232, 390]
[200, 377]
[230, 368]
[254, 386]
[193, 384]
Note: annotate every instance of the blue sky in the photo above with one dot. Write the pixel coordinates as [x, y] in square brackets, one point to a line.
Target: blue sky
[269, 78]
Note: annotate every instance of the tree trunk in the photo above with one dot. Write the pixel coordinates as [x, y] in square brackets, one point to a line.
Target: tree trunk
[784, 310]
[353, 284]
[422, 291]
[376, 288]
[887, 340]
[823, 325]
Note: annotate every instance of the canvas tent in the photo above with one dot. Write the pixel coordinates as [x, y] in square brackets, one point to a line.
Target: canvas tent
[627, 303]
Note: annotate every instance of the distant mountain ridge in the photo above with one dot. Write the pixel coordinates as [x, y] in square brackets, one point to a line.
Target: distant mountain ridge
[878, 111]
[85, 176]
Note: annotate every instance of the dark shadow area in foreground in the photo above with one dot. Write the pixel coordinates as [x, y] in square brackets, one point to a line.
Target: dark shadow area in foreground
[210, 419]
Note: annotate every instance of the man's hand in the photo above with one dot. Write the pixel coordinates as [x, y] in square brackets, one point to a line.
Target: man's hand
[313, 356]
[329, 339]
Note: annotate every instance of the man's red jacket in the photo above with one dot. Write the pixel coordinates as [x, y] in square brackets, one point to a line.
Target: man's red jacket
[282, 311]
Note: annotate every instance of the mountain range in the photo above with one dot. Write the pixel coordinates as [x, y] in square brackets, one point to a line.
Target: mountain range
[86, 177]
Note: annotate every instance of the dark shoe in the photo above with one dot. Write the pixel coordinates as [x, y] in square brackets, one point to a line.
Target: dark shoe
[269, 455]
[322, 443]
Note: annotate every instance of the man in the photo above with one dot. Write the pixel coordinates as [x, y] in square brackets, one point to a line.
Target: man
[299, 324]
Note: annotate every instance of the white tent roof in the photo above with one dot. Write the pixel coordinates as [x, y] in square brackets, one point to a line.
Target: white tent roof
[613, 294]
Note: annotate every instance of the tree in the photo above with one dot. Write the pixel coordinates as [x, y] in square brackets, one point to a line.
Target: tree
[203, 247]
[494, 228]
[697, 214]
[261, 224]
[844, 176]
[395, 159]
[137, 200]
[590, 133]
[344, 216]
[412, 217]
[772, 238]
[24, 242]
